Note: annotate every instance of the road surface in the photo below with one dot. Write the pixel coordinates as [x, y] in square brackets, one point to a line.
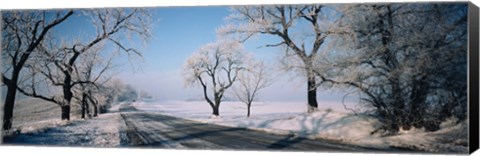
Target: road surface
[145, 129]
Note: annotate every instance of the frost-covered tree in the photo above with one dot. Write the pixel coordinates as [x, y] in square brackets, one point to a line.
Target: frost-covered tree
[215, 67]
[22, 32]
[254, 78]
[94, 72]
[114, 28]
[127, 94]
[302, 30]
[407, 60]
[115, 91]
[145, 95]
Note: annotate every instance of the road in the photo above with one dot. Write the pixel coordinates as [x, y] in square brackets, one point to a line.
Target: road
[146, 129]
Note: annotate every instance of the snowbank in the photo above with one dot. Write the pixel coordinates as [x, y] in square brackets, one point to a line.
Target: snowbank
[450, 139]
[322, 124]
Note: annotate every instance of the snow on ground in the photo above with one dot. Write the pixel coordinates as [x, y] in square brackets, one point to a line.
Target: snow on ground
[451, 139]
[37, 122]
[103, 131]
[333, 124]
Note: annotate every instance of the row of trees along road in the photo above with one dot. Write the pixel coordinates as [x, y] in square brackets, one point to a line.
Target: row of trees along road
[41, 64]
[407, 62]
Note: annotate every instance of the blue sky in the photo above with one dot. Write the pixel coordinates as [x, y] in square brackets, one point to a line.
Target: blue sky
[180, 31]
[177, 33]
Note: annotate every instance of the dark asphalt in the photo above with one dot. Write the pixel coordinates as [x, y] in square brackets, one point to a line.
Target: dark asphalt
[146, 129]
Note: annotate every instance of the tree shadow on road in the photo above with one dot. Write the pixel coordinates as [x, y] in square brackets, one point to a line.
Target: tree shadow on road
[288, 141]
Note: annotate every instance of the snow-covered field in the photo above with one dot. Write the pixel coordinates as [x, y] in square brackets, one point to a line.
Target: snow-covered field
[333, 124]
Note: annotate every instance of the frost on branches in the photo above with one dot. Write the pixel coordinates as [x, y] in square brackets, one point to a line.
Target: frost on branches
[215, 68]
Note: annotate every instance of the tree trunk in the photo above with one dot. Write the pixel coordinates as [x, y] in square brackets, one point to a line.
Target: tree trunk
[84, 105]
[398, 106]
[215, 111]
[94, 105]
[216, 108]
[95, 110]
[248, 109]
[66, 111]
[83, 110]
[417, 105]
[312, 92]
[9, 104]
[87, 108]
[67, 95]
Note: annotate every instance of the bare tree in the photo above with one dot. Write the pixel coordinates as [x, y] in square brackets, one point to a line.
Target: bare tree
[22, 32]
[254, 78]
[215, 67]
[107, 93]
[93, 69]
[302, 30]
[405, 60]
[114, 27]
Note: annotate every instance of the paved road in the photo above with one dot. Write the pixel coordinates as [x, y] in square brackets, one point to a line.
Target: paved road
[160, 131]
